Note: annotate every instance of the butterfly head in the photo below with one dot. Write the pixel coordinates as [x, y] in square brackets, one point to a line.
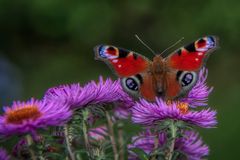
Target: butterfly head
[158, 59]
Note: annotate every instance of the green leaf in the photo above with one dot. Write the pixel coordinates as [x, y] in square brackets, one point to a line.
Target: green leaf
[140, 153]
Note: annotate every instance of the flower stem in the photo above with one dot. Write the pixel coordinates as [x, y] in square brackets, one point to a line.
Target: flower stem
[156, 144]
[111, 135]
[173, 131]
[72, 157]
[121, 141]
[30, 142]
[85, 132]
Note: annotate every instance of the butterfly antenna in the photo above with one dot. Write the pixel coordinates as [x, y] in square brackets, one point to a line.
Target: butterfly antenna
[172, 45]
[145, 44]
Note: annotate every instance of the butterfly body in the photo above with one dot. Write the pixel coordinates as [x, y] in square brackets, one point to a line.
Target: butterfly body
[169, 77]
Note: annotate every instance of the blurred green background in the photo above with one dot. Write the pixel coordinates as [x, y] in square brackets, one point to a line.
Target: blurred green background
[44, 43]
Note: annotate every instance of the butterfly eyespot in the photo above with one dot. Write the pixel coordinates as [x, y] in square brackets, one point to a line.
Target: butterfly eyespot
[131, 85]
[111, 50]
[187, 79]
[206, 43]
[107, 52]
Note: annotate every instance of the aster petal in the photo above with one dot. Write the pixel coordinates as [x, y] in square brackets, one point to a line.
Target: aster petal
[190, 144]
[4, 155]
[146, 113]
[122, 111]
[51, 114]
[101, 92]
[21, 144]
[145, 141]
[64, 93]
[98, 133]
[104, 91]
[198, 95]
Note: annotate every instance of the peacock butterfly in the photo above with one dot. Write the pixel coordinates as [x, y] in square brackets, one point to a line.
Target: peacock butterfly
[169, 77]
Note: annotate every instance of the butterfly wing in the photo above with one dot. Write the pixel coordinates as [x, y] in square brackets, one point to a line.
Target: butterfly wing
[123, 62]
[184, 65]
[148, 88]
[178, 83]
[131, 67]
[193, 56]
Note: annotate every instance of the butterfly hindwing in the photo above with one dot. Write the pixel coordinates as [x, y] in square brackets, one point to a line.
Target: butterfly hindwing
[140, 85]
[178, 83]
[147, 89]
[193, 56]
[124, 63]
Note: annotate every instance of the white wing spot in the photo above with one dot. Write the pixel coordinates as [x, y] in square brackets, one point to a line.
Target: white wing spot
[202, 49]
[115, 61]
[200, 53]
[119, 66]
[196, 59]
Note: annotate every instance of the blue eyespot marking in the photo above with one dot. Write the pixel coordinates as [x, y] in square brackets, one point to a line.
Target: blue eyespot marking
[211, 42]
[102, 51]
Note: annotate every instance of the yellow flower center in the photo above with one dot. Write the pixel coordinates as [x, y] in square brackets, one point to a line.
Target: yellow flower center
[183, 107]
[17, 116]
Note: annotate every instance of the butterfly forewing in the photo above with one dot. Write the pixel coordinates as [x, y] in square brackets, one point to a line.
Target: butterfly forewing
[128, 65]
[124, 63]
[192, 56]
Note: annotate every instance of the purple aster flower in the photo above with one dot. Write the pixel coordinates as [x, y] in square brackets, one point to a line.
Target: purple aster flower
[145, 141]
[64, 93]
[198, 95]
[147, 113]
[101, 92]
[4, 155]
[190, 144]
[19, 147]
[122, 111]
[26, 117]
[98, 133]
